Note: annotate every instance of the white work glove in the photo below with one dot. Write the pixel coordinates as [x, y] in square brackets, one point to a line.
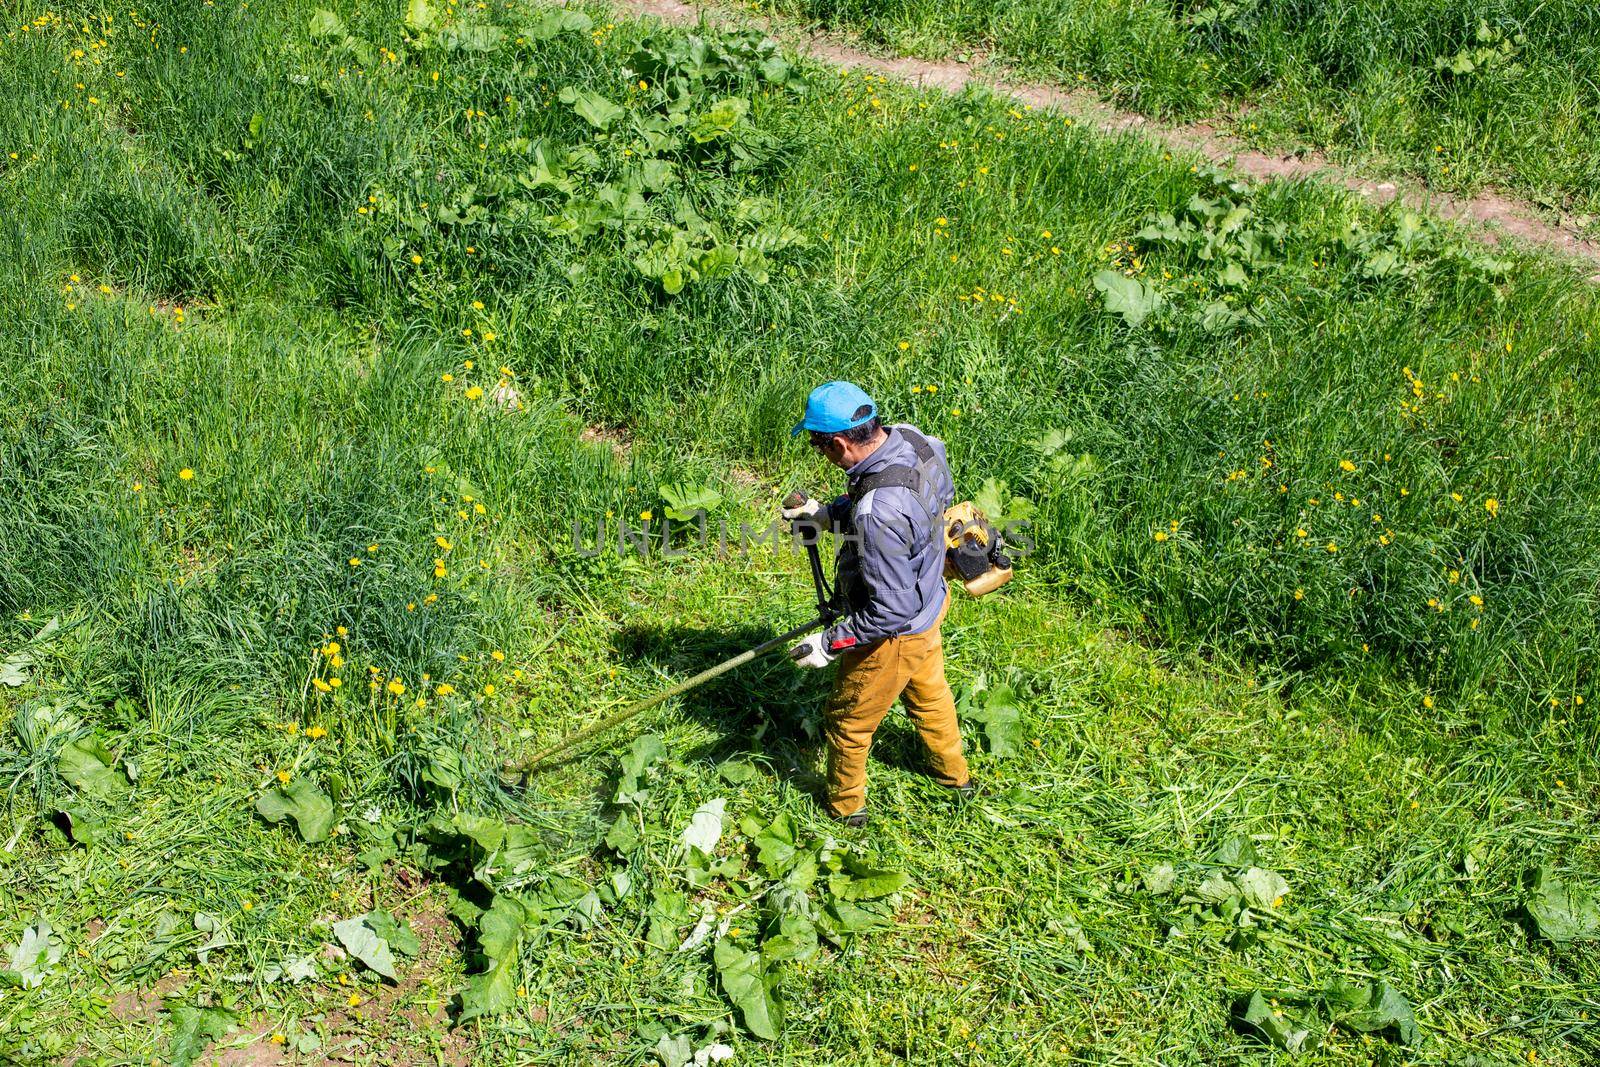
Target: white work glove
[812, 652]
[805, 511]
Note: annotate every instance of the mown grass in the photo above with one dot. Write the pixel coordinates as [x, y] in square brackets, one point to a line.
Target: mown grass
[1459, 95]
[188, 289]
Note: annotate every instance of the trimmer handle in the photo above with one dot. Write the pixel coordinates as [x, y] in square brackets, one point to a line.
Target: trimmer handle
[825, 602]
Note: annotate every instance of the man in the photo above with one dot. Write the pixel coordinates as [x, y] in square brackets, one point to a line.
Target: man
[891, 587]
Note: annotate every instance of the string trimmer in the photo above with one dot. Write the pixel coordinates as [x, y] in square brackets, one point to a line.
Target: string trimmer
[826, 613]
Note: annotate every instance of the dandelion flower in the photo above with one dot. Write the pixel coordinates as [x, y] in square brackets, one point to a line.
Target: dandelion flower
[187, 474]
[284, 776]
[316, 732]
[497, 656]
[1492, 506]
[446, 690]
[396, 686]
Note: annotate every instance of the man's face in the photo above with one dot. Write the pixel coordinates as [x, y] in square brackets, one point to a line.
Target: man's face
[832, 447]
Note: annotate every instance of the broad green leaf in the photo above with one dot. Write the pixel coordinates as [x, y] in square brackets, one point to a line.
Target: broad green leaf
[996, 709]
[499, 936]
[291, 970]
[325, 23]
[1372, 1007]
[83, 826]
[421, 16]
[669, 912]
[1160, 879]
[1216, 888]
[645, 752]
[737, 771]
[36, 955]
[217, 932]
[1261, 889]
[1236, 850]
[397, 932]
[362, 941]
[193, 1029]
[472, 37]
[674, 1051]
[303, 802]
[555, 22]
[686, 500]
[89, 766]
[14, 671]
[1563, 912]
[623, 837]
[1257, 1016]
[777, 845]
[719, 119]
[593, 108]
[794, 939]
[861, 882]
[752, 987]
[705, 826]
[1128, 297]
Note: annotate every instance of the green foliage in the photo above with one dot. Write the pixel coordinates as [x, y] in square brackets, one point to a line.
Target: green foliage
[1562, 911]
[35, 956]
[996, 710]
[193, 1028]
[687, 501]
[300, 800]
[374, 938]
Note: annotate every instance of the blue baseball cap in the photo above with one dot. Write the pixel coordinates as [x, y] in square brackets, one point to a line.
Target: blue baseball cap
[832, 407]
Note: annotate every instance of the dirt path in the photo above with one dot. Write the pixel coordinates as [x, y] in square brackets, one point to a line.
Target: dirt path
[1496, 217]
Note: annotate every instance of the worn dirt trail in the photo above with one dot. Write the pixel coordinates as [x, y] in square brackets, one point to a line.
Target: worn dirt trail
[1495, 217]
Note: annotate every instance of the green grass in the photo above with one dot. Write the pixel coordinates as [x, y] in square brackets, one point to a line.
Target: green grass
[1363, 83]
[1178, 690]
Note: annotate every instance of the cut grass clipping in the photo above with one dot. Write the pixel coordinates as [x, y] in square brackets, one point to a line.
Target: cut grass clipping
[326, 327]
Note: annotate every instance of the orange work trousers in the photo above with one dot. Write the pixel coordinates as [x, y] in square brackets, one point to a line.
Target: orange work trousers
[866, 687]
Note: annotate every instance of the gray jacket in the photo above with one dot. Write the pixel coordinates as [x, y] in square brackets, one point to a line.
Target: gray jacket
[891, 555]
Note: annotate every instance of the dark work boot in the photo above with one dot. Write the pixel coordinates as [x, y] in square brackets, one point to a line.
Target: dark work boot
[966, 791]
[855, 820]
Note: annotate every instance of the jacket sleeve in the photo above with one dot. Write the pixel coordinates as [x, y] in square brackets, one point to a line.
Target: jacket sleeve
[889, 569]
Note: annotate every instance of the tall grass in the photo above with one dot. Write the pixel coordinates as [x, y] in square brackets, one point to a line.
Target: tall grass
[1370, 83]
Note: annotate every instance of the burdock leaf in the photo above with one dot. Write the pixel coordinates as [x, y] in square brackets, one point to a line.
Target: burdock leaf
[1256, 1016]
[193, 1029]
[705, 826]
[593, 108]
[206, 923]
[395, 931]
[646, 751]
[752, 987]
[1128, 297]
[83, 826]
[302, 801]
[1236, 850]
[1563, 912]
[1371, 1007]
[361, 940]
[861, 882]
[325, 23]
[776, 845]
[1261, 888]
[37, 954]
[89, 767]
[1160, 879]
[14, 671]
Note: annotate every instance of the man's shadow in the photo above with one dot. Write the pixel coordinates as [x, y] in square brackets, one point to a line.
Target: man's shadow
[768, 703]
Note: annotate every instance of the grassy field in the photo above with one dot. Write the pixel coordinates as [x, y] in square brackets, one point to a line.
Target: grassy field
[324, 328]
[1459, 95]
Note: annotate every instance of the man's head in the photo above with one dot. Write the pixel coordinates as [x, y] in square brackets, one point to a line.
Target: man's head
[842, 422]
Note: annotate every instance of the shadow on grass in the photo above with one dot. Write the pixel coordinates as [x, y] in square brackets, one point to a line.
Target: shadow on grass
[767, 705]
